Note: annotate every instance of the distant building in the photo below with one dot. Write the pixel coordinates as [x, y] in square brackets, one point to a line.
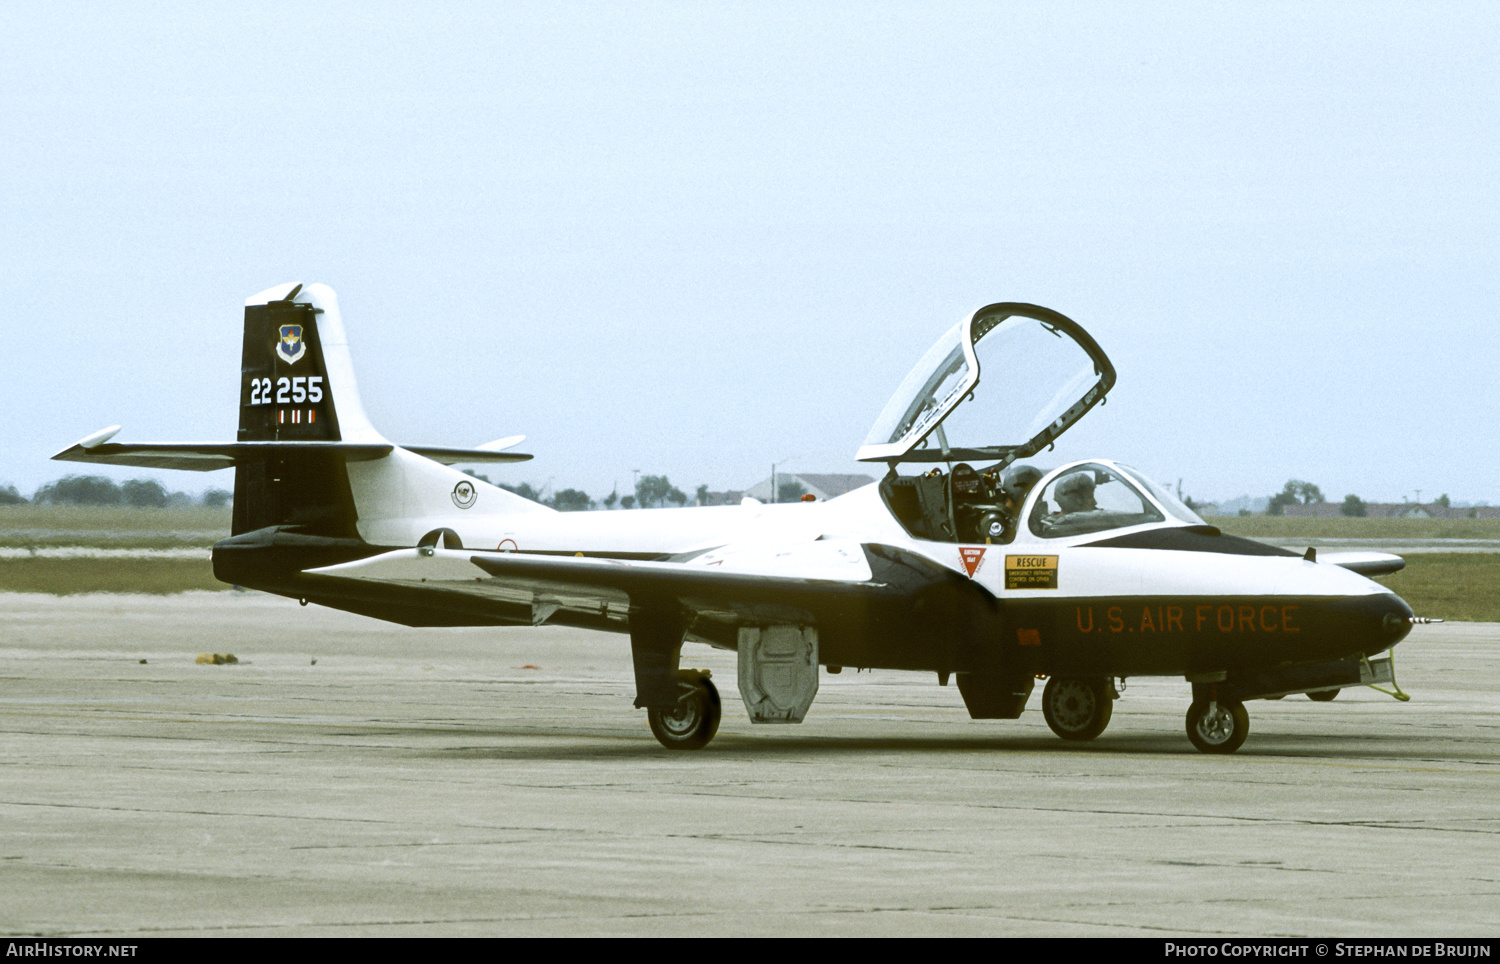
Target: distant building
[1319, 510]
[1254, 504]
[821, 485]
[731, 497]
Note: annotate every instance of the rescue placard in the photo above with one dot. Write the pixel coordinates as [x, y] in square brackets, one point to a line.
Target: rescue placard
[1030, 572]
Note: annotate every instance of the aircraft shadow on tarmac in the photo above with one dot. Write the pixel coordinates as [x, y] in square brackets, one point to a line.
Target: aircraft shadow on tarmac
[530, 744]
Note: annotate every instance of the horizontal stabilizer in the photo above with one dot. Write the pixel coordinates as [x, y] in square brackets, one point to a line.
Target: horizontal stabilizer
[451, 456]
[208, 456]
[211, 456]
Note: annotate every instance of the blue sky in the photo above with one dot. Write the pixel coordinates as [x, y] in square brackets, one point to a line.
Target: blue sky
[695, 239]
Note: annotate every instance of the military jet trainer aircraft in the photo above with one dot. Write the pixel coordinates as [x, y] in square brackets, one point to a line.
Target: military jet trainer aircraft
[1000, 575]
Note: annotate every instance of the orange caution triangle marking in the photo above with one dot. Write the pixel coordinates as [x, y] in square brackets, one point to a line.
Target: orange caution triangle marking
[972, 557]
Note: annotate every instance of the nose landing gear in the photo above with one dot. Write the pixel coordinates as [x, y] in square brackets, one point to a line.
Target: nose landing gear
[1217, 726]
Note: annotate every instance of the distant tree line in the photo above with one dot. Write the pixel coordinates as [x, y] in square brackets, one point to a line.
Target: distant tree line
[651, 491]
[1295, 492]
[1305, 493]
[98, 490]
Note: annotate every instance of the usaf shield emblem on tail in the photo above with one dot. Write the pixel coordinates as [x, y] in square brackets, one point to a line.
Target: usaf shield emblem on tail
[291, 347]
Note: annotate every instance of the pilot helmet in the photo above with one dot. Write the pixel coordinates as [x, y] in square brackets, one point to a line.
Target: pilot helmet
[1075, 493]
[1018, 481]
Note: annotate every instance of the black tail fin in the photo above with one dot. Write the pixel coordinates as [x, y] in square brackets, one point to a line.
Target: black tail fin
[284, 390]
[286, 395]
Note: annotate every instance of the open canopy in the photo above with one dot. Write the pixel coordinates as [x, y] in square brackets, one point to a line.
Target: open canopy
[1001, 385]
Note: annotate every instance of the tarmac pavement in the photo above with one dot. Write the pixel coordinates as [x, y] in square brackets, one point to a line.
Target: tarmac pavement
[420, 782]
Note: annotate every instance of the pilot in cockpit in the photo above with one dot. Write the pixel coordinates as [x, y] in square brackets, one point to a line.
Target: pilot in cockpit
[1076, 505]
[1014, 486]
[1018, 481]
[1075, 494]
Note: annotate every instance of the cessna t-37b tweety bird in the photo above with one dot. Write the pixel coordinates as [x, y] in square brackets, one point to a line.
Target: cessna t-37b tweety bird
[962, 561]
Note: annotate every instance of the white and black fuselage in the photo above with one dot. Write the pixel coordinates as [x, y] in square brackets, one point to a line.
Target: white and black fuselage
[894, 575]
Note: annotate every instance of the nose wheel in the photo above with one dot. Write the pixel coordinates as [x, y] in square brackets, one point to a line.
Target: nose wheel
[1217, 726]
[1077, 708]
[692, 723]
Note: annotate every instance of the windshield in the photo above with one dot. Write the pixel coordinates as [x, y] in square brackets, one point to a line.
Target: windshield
[1090, 498]
[1174, 505]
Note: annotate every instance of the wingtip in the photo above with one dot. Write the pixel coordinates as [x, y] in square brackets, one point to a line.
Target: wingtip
[99, 437]
[87, 443]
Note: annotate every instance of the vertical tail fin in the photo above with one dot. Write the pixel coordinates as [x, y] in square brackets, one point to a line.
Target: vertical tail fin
[297, 384]
[297, 381]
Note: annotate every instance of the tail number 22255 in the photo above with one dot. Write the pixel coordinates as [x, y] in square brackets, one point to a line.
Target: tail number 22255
[288, 391]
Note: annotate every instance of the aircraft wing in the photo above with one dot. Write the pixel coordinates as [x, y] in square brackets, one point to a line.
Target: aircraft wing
[1365, 563]
[600, 591]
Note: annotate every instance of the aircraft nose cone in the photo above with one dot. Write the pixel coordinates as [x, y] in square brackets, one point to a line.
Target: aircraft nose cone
[1361, 624]
[1395, 622]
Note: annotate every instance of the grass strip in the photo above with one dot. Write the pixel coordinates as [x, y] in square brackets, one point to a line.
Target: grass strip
[25, 526]
[1291, 527]
[67, 577]
[1462, 586]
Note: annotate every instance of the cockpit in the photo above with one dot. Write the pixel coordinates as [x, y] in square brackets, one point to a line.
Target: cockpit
[997, 388]
[1089, 497]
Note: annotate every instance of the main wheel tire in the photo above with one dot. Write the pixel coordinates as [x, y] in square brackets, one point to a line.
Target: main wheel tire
[1076, 708]
[1322, 696]
[692, 723]
[1220, 730]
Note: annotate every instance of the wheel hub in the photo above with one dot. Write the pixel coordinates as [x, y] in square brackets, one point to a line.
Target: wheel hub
[1216, 725]
[1073, 708]
[683, 718]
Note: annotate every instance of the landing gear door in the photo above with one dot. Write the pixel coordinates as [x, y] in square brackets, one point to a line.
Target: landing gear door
[1001, 385]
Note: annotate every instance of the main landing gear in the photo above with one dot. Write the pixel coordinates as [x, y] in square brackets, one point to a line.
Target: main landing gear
[695, 719]
[1078, 708]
